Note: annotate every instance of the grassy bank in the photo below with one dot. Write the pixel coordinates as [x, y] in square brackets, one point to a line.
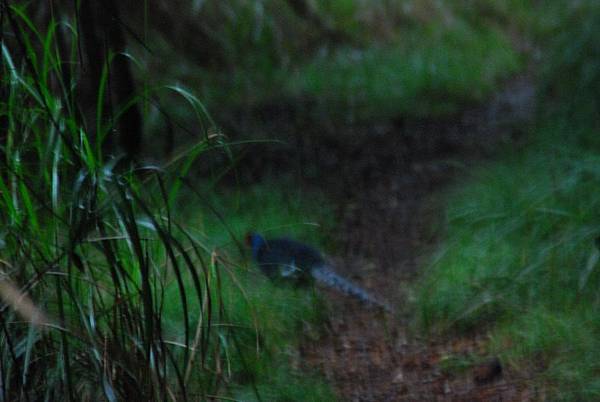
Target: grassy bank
[386, 61]
[431, 71]
[520, 256]
[271, 319]
[521, 239]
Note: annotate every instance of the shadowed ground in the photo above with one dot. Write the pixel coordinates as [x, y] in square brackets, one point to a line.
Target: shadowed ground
[387, 209]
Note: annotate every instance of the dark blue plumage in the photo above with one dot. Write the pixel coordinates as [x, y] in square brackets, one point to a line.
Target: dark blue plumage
[293, 261]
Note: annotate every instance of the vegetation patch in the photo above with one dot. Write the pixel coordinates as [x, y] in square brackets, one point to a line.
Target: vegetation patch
[105, 294]
[270, 318]
[522, 244]
[371, 61]
[432, 71]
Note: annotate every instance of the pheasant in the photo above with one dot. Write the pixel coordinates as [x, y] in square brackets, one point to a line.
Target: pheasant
[288, 260]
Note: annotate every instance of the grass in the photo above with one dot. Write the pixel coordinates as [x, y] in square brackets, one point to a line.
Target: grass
[428, 72]
[105, 293]
[520, 256]
[271, 317]
[521, 245]
[526, 228]
[115, 287]
[87, 243]
[399, 59]
[434, 71]
[275, 207]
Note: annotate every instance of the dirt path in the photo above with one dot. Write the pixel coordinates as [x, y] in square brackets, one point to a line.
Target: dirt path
[387, 208]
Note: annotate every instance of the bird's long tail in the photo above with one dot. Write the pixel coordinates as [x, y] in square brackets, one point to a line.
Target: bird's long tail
[325, 275]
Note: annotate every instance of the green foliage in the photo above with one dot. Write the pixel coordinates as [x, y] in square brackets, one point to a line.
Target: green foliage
[268, 318]
[572, 69]
[275, 317]
[524, 219]
[105, 294]
[274, 208]
[434, 71]
[521, 253]
[563, 345]
[87, 249]
[522, 238]
[391, 58]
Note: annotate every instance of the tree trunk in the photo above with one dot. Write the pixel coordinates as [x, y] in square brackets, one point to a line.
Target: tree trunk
[102, 32]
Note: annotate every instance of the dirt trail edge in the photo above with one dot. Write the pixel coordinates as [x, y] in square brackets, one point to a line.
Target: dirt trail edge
[387, 212]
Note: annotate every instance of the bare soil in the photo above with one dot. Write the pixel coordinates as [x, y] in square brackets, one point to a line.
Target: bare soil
[387, 181]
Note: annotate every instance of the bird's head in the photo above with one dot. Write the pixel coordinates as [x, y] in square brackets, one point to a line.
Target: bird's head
[254, 241]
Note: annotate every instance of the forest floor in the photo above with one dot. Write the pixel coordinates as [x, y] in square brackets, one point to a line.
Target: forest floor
[387, 185]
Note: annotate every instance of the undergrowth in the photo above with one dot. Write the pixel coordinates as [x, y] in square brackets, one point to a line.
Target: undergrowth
[106, 293]
[432, 71]
[89, 244]
[521, 250]
[386, 60]
[270, 317]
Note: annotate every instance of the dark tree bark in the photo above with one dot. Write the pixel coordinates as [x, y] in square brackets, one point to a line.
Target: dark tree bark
[102, 33]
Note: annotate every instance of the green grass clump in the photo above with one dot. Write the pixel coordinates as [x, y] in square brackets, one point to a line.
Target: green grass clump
[273, 208]
[89, 246]
[560, 345]
[430, 72]
[521, 252]
[530, 217]
[571, 70]
[268, 319]
[105, 293]
[521, 256]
